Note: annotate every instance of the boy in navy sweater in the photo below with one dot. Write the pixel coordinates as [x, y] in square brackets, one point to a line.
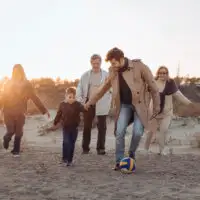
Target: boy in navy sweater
[69, 116]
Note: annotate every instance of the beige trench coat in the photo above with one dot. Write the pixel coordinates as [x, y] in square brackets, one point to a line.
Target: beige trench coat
[139, 78]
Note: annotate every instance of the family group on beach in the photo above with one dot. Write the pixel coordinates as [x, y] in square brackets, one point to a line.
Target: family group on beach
[138, 98]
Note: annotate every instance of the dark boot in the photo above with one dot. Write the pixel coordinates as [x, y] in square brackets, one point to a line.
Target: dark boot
[6, 141]
[85, 152]
[116, 167]
[101, 152]
[132, 155]
[17, 142]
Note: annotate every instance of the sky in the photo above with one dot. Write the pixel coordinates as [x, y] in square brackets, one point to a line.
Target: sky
[55, 38]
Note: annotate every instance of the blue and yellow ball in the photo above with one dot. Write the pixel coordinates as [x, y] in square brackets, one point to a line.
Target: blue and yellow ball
[127, 165]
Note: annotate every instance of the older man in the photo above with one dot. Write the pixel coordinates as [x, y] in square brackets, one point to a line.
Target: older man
[89, 83]
[130, 81]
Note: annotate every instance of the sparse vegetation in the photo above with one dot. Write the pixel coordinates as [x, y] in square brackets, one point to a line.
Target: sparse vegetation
[52, 91]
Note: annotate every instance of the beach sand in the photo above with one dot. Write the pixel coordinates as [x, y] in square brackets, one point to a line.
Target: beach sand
[38, 175]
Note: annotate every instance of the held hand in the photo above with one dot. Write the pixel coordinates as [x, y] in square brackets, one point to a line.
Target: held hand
[52, 128]
[86, 106]
[156, 111]
[47, 115]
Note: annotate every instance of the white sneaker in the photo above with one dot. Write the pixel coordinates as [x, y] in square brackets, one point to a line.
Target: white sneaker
[166, 151]
[146, 152]
[16, 156]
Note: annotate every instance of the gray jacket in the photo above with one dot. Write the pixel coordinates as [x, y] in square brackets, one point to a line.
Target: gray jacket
[104, 104]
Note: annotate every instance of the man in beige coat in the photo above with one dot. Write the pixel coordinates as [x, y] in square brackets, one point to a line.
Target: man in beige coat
[130, 80]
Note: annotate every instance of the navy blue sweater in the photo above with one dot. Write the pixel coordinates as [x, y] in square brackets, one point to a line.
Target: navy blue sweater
[69, 114]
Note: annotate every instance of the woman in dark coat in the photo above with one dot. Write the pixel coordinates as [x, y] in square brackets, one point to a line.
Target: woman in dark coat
[13, 100]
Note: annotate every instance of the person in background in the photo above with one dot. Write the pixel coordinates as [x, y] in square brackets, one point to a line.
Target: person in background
[167, 89]
[129, 80]
[13, 99]
[88, 85]
[69, 116]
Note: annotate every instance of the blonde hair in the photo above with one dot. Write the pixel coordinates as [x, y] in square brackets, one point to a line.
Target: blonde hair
[18, 73]
[162, 67]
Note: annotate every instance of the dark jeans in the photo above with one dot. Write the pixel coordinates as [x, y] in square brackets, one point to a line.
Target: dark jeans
[101, 125]
[14, 126]
[69, 140]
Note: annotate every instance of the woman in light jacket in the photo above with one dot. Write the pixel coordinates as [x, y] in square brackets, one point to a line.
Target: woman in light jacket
[168, 89]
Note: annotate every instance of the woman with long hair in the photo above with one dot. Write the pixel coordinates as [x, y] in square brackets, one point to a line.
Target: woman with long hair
[13, 99]
[168, 89]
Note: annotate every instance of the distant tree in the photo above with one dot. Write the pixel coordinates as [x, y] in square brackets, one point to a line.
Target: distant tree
[76, 82]
[66, 82]
[193, 80]
[45, 82]
[58, 80]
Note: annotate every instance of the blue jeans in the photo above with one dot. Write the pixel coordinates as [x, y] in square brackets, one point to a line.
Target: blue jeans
[125, 114]
[69, 140]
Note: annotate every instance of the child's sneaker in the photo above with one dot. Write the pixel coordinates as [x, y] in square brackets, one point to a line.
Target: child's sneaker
[63, 162]
[15, 154]
[69, 164]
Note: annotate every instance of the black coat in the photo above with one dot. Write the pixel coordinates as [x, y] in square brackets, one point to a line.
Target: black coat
[15, 96]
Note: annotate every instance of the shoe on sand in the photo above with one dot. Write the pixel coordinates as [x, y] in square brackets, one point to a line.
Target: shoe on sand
[5, 143]
[101, 152]
[164, 152]
[63, 161]
[132, 155]
[70, 164]
[15, 154]
[85, 152]
[116, 167]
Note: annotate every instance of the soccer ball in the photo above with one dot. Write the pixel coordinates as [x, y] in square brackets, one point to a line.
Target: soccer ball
[127, 165]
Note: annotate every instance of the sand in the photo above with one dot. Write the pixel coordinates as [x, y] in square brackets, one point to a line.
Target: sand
[38, 174]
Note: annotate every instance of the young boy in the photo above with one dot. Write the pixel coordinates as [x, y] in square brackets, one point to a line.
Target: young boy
[69, 115]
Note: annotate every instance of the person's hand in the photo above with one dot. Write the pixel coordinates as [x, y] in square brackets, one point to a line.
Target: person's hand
[52, 128]
[48, 115]
[86, 106]
[156, 111]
